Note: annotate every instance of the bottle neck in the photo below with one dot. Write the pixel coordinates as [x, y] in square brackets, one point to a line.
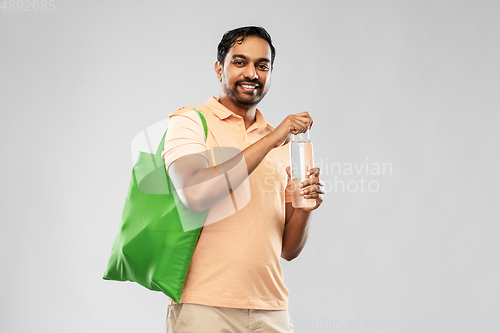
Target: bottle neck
[302, 137]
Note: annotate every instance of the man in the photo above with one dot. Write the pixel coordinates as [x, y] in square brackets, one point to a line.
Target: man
[235, 281]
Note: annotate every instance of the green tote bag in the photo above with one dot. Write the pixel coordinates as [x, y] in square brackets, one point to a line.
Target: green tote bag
[152, 248]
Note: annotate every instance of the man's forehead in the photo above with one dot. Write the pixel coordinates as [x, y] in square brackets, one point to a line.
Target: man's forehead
[251, 47]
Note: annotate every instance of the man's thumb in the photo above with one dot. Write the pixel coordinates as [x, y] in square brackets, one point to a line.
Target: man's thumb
[288, 171]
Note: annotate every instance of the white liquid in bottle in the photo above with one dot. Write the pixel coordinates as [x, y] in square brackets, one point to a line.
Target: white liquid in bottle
[301, 161]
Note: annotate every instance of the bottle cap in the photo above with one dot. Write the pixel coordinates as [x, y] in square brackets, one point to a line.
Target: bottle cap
[301, 136]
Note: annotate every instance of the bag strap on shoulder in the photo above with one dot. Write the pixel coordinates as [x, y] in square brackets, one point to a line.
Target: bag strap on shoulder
[205, 128]
[204, 122]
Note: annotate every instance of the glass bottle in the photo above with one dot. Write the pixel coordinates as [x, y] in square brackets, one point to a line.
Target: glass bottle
[301, 161]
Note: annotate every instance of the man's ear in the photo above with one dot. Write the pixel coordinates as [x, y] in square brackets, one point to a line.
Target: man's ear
[218, 70]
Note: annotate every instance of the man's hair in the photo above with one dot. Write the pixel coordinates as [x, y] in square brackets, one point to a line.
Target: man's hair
[237, 36]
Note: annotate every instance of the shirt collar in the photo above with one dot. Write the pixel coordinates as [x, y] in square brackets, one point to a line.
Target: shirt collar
[222, 112]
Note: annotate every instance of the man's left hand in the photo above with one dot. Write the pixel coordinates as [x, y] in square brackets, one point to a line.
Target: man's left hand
[312, 187]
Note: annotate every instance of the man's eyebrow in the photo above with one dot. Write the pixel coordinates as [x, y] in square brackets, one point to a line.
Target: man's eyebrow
[242, 56]
[239, 56]
[264, 60]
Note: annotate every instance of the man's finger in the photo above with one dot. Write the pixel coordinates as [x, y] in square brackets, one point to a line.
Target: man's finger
[314, 171]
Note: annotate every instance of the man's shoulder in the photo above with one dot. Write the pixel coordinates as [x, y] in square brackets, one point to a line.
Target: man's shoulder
[193, 117]
[185, 110]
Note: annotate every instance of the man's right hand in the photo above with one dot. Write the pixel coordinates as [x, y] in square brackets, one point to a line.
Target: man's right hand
[199, 187]
[292, 124]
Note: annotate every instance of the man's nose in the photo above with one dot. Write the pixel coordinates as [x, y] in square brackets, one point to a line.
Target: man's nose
[251, 73]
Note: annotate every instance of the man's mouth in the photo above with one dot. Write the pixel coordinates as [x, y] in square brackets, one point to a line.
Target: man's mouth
[248, 87]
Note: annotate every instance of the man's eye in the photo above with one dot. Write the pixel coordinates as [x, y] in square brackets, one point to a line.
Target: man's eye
[239, 63]
[265, 67]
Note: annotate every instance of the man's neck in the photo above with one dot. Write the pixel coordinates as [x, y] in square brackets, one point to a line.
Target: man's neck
[248, 113]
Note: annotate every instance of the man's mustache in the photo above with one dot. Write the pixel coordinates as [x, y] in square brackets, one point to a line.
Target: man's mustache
[247, 81]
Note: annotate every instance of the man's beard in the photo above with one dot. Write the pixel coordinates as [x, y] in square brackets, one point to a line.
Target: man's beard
[235, 96]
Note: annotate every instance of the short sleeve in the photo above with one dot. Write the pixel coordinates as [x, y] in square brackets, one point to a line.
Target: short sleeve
[185, 136]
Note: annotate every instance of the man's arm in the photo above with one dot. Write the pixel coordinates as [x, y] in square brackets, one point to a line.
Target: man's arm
[297, 219]
[296, 231]
[200, 187]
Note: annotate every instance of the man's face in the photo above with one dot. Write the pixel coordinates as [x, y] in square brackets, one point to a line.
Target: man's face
[246, 74]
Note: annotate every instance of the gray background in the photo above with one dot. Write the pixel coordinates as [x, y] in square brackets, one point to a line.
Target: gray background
[410, 83]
